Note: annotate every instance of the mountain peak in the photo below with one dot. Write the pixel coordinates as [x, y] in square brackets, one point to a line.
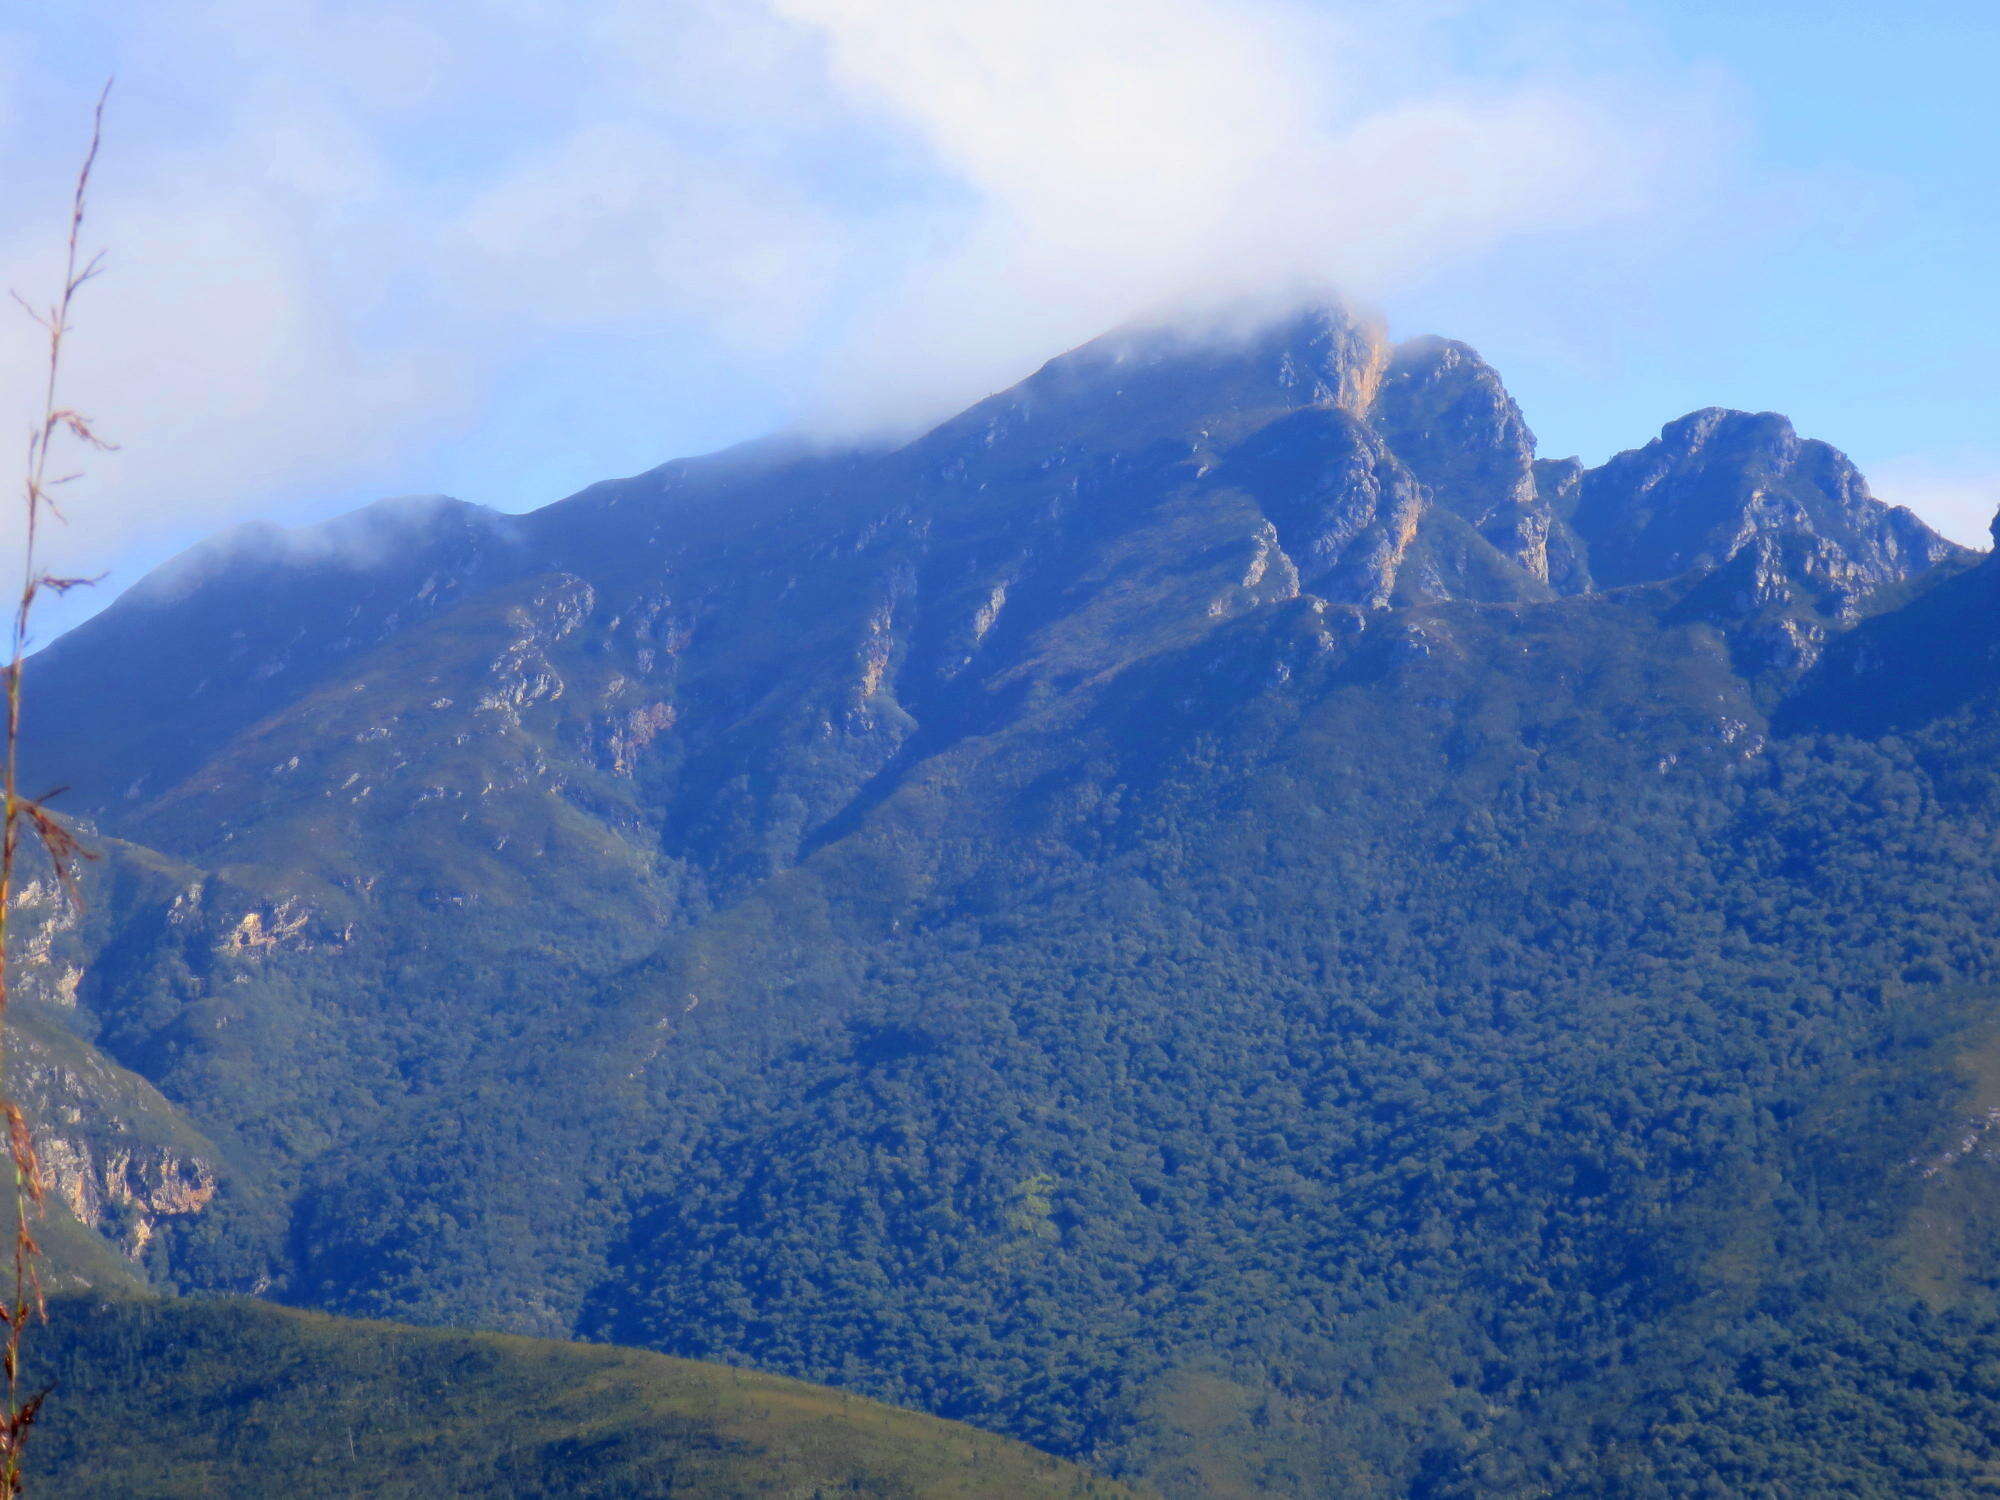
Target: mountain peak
[1717, 480]
[357, 539]
[1312, 348]
[1181, 379]
[1768, 435]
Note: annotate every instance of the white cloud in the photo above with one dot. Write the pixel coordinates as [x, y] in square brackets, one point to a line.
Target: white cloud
[335, 226]
[1120, 158]
[217, 351]
[618, 222]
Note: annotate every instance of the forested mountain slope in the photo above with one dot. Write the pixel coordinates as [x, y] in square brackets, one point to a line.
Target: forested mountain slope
[1214, 913]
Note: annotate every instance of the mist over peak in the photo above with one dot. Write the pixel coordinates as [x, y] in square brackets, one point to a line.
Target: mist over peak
[360, 539]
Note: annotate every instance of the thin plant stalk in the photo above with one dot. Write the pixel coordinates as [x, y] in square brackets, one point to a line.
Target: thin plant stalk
[19, 812]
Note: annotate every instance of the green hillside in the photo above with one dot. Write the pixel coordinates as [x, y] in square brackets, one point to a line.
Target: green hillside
[159, 1398]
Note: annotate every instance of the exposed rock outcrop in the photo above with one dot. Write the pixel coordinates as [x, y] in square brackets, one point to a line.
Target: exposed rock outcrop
[114, 1153]
[1716, 481]
[1446, 415]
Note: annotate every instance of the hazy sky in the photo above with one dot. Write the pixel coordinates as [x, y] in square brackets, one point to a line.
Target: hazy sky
[501, 248]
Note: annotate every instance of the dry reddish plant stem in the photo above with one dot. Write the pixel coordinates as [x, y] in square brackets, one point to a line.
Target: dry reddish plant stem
[19, 812]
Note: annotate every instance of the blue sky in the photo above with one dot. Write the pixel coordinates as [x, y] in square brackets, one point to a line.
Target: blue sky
[501, 248]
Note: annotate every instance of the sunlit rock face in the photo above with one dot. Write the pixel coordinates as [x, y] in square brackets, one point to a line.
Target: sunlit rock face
[1447, 416]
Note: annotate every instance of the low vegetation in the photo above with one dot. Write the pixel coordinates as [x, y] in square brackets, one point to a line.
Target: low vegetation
[193, 1399]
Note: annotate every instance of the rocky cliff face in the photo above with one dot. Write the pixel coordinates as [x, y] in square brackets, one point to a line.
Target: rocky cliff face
[1718, 482]
[117, 1158]
[1447, 416]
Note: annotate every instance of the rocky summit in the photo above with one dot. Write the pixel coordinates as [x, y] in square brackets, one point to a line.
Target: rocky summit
[1214, 913]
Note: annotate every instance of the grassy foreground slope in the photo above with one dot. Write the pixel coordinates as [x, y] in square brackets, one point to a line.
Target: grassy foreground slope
[157, 1397]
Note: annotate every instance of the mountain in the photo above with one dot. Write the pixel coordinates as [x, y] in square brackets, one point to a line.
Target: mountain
[1716, 481]
[225, 1397]
[1214, 913]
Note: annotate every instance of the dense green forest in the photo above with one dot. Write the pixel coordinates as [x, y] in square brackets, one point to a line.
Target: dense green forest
[1171, 919]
